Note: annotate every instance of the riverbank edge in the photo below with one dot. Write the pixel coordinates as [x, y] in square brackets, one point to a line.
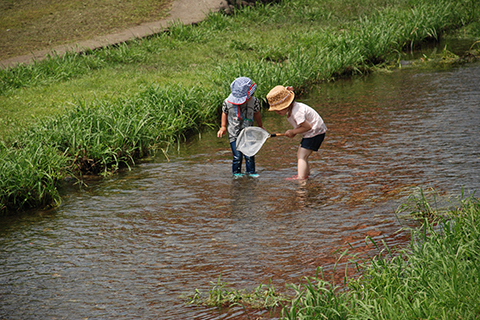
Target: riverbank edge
[433, 277]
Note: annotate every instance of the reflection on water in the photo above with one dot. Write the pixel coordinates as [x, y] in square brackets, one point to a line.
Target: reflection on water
[130, 246]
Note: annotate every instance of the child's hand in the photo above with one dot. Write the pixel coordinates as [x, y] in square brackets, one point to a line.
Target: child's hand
[289, 88]
[290, 133]
[221, 132]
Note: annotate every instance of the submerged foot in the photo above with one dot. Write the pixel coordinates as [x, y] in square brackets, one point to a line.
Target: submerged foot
[295, 177]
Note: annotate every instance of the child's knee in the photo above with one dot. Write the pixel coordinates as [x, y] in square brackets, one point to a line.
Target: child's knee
[303, 153]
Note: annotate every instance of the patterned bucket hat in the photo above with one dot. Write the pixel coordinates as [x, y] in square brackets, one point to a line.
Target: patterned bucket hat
[279, 98]
[242, 88]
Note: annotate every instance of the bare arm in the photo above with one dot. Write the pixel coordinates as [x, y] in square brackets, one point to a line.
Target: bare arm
[258, 119]
[223, 126]
[302, 128]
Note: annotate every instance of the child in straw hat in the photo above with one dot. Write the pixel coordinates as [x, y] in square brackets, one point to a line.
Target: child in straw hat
[305, 121]
[239, 111]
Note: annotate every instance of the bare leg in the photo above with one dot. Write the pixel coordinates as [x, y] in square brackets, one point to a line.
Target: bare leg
[303, 166]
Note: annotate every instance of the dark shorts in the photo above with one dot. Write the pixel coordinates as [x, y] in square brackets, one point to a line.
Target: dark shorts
[313, 143]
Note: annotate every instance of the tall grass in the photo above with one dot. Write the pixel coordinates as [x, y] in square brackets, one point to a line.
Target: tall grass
[98, 139]
[101, 135]
[104, 136]
[317, 298]
[29, 175]
[436, 277]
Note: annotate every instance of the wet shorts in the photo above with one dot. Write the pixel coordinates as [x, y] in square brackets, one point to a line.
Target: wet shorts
[313, 143]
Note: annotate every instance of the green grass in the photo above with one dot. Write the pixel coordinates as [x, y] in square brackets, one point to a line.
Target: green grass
[29, 175]
[421, 204]
[221, 296]
[435, 277]
[104, 109]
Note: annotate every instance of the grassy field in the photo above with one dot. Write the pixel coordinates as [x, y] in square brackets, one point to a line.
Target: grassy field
[27, 25]
[95, 112]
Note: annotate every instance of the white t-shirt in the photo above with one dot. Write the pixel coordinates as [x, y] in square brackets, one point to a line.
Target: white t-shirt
[301, 113]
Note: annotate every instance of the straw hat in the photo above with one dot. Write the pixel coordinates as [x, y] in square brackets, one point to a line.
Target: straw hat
[280, 98]
[242, 88]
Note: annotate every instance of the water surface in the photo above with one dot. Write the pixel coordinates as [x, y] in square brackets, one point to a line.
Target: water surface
[128, 247]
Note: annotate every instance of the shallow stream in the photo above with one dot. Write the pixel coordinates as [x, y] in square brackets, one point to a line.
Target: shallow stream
[129, 247]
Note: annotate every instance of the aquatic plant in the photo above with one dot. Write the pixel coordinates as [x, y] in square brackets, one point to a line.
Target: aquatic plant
[221, 295]
[434, 277]
[420, 204]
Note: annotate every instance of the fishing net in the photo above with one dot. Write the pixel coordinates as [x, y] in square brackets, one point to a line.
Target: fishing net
[251, 139]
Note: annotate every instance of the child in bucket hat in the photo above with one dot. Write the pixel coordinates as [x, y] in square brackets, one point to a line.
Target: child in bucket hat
[239, 111]
[305, 121]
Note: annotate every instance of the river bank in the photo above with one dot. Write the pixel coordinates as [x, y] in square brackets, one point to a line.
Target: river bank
[141, 97]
